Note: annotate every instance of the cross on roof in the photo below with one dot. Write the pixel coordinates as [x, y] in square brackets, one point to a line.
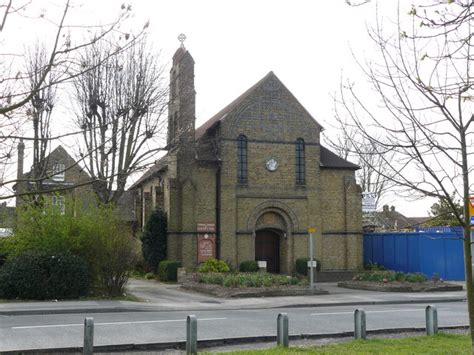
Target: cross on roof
[182, 38]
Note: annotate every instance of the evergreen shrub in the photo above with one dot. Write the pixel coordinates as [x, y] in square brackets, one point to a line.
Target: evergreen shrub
[248, 266]
[154, 239]
[43, 276]
[168, 270]
[213, 265]
[301, 265]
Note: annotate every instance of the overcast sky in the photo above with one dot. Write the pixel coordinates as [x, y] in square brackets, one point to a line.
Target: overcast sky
[306, 43]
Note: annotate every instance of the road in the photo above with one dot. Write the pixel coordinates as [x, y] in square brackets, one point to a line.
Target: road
[66, 330]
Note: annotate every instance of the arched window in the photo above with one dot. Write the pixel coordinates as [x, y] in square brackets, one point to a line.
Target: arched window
[300, 169]
[242, 159]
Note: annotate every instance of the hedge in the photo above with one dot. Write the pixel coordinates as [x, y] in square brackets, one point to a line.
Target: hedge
[42, 276]
[168, 270]
[249, 266]
[302, 266]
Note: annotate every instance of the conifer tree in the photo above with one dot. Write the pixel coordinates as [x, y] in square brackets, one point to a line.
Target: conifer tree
[154, 239]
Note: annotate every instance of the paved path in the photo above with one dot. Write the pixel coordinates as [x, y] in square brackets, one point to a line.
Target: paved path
[170, 297]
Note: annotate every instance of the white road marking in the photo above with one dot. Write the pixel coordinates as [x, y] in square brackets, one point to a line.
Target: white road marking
[381, 311]
[114, 323]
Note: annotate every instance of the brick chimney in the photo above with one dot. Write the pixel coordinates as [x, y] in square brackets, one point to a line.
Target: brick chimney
[21, 158]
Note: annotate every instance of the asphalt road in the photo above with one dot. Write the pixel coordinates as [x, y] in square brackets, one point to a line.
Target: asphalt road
[66, 330]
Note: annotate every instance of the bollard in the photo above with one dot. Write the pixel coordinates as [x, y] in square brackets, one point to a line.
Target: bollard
[282, 330]
[88, 348]
[431, 313]
[359, 324]
[191, 335]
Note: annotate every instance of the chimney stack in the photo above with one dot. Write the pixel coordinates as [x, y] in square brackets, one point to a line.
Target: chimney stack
[21, 158]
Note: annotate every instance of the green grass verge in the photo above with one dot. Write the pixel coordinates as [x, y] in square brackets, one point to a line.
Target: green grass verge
[442, 343]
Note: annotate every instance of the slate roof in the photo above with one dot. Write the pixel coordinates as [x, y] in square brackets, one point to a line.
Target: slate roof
[331, 160]
[159, 165]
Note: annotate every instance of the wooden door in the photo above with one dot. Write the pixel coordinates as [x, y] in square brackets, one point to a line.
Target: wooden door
[267, 248]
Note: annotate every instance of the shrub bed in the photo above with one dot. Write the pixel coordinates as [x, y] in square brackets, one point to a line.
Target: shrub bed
[255, 279]
[43, 276]
[390, 276]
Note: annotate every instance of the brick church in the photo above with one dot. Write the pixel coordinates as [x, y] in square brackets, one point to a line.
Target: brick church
[249, 182]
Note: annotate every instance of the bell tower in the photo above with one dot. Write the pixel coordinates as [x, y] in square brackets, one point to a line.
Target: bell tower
[182, 105]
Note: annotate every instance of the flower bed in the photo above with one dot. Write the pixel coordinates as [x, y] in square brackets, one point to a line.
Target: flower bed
[247, 279]
[395, 281]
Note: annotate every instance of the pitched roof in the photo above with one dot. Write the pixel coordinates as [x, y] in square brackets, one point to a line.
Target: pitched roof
[330, 160]
[201, 130]
[59, 154]
[159, 165]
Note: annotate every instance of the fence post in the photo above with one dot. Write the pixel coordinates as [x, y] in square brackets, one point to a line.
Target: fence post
[431, 313]
[359, 324]
[282, 330]
[88, 348]
[191, 335]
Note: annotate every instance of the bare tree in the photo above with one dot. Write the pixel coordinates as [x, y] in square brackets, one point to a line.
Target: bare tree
[39, 110]
[350, 145]
[22, 89]
[121, 104]
[422, 78]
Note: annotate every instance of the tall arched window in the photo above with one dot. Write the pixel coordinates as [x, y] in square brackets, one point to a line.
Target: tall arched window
[242, 159]
[300, 169]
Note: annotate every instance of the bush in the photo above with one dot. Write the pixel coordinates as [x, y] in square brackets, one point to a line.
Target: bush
[374, 266]
[168, 270]
[43, 276]
[154, 239]
[249, 266]
[213, 265]
[255, 279]
[301, 266]
[95, 233]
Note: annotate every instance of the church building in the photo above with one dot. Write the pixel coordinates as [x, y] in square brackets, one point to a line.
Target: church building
[251, 181]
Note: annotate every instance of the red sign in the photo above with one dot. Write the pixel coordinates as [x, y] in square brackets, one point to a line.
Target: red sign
[206, 241]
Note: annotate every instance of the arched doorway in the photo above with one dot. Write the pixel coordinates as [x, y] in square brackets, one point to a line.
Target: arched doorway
[267, 248]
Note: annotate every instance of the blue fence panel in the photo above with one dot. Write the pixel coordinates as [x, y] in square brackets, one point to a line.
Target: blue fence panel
[428, 252]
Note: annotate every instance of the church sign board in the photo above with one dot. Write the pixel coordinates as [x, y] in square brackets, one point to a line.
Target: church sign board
[369, 201]
[206, 241]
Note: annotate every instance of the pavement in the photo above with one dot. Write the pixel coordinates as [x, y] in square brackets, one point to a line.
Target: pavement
[158, 296]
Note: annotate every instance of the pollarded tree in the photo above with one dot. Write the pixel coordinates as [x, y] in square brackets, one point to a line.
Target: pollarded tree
[423, 79]
[20, 86]
[121, 100]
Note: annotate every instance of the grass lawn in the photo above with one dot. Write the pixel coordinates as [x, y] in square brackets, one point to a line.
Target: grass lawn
[439, 344]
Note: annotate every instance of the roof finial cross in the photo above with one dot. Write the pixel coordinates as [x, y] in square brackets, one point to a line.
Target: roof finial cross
[182, 38]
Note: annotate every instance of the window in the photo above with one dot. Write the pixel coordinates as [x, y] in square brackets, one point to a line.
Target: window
[242, 159]
[58, 172]
[58, 201]
[300, 180]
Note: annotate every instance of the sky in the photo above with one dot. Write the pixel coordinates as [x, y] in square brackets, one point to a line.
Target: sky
[309, 44]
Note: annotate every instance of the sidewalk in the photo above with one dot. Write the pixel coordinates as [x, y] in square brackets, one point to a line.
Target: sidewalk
[159, 297]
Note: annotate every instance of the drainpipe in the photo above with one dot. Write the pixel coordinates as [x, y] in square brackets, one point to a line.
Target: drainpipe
[218, 211]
